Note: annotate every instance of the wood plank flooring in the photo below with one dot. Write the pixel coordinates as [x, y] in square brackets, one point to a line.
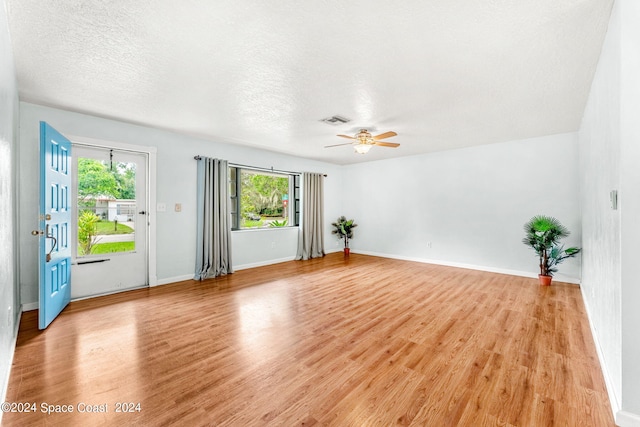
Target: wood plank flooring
[359, 342]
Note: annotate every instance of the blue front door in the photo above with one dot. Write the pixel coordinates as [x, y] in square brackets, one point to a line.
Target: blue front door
[55, 221]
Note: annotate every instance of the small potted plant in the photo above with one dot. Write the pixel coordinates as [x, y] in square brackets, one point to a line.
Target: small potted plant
[343, 228]
[543, 234]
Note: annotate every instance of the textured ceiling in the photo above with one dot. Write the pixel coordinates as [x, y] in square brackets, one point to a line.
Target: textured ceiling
[442, 74]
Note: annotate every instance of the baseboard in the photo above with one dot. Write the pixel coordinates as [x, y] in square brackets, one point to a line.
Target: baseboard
[169, 280]
[627, 419]
[235, 268]
[29, 306]
[557, 277]
[608, 382]
[262, 263]
[12, 351]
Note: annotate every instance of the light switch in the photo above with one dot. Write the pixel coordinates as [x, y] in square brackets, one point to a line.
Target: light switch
[161, 207]
[178, 207]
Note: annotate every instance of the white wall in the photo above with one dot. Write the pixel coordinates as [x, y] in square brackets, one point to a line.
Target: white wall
[470, 204]
[599, 140]
[630, 208]
[9, 298]
[252, 248]
[176, 176]
[609, 158]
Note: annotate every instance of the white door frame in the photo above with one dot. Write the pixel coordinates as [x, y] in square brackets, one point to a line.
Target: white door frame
[151, 190]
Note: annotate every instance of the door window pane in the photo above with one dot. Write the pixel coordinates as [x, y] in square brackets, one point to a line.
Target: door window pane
[106, 207]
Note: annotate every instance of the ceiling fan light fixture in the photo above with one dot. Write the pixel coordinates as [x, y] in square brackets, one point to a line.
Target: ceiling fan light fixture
[363, 141]
[362, 148]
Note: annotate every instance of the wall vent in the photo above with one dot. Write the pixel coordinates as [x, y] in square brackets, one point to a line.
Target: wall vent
[335, 120]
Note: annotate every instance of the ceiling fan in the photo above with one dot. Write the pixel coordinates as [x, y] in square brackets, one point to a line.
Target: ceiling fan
[363, 141]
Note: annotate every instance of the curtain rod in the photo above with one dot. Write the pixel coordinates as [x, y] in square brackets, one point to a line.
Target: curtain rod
[237, 165]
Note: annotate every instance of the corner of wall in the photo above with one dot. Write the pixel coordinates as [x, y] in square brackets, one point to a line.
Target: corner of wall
[608, 379]
[9, 279]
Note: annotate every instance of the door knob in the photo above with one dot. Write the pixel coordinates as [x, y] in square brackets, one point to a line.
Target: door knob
[142, 212]
[37, 232]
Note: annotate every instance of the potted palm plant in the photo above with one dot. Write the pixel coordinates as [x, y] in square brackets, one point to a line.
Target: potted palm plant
[343, 228]
[543, 234]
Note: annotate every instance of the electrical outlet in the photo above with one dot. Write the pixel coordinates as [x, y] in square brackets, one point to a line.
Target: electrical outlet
[273, 245]
[429, 245]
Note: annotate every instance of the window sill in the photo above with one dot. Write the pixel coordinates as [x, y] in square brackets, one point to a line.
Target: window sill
[243, 230]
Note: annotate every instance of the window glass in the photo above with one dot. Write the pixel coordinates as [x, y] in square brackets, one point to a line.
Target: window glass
[106, 207]
[260, 199]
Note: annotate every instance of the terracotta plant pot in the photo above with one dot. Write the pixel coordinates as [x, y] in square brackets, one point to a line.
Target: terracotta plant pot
[346, 252]
[545, 280]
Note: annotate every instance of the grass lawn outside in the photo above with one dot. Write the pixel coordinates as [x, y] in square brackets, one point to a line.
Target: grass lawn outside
[249, 223]
[108, 227]
[262, 223]
[108, 248]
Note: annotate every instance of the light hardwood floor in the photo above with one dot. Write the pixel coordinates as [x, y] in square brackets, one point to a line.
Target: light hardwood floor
[358, 342]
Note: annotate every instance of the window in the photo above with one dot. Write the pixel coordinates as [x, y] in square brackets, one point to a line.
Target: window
[263, 199]
[126, 209]
[106, 206]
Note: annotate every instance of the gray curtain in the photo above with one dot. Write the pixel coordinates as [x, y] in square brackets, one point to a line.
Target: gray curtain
[213, 253]
[311, 234]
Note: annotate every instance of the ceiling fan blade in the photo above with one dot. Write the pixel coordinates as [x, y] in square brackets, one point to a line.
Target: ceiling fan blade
[346, 136]
[385, 135]
[337, 145]
[387, 144]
